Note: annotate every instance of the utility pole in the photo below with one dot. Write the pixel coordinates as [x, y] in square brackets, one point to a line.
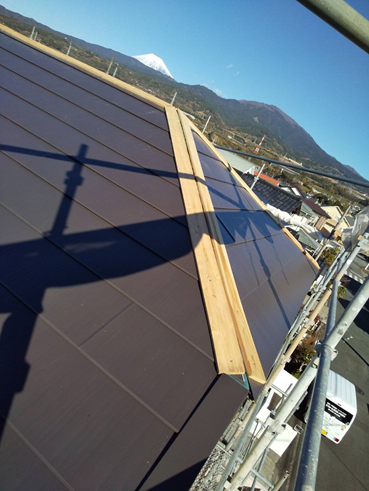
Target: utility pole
[256, 178]
[70, 45]
[115, 71]
[110, 65]
[174, 98]
[32, 33]
[206, 124]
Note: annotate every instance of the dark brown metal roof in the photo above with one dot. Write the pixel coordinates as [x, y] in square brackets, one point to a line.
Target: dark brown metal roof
[315, 207]
[107, 372]
[272, 274]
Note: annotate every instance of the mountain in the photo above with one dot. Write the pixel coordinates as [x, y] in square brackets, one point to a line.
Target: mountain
[125, 60]
[154, 62]
[284, 135]
[259, 118]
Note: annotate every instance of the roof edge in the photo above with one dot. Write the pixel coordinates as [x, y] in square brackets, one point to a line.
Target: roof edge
[79, 64]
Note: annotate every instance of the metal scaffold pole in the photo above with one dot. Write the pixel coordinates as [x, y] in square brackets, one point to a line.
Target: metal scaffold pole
[308, 465]
[297, 394]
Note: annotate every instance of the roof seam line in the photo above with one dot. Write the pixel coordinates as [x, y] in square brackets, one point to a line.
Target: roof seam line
[116, 227]
[37, 453]
[91, 168]
[219, 180]
[87, 72]
[93, 362]
[254, 240]
[86, 135]
[271, 276]
[88, 111]
[112, 286]
[89, 91]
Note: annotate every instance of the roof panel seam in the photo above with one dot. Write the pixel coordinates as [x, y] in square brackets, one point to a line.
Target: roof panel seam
[93, 362]
[89, 165]
[253, 194]
[111, 285]
[157, 173]
[116, 227]
[88, 111]
[220, 180]
[252, 240]
[38, 454]
[56, 55]
[223, 182]
[89, 91]
[275, 272]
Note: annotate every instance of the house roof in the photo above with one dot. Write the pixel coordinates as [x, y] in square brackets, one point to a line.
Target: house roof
[112, 255]
[237, 162]
[315, 207]
[306, 208]
[275, 196]
[264, 177]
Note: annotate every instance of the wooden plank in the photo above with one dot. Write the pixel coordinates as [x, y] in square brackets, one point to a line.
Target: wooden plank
[251, 193]
[227, 350]
[249, 352]
[79, 64]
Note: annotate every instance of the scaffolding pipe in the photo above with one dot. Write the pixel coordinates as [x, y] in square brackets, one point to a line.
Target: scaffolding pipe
[308, 465]
[283, 357]
[206, 124]
[343, 18]
[174, 98]
[297, 167]
[340, 274]
[256, 178]
[282, 480]
[294, 398]
[249, 421]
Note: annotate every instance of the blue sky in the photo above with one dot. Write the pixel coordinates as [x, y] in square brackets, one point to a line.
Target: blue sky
[272, 51]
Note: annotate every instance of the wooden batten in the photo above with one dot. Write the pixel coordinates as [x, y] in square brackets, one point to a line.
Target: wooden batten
[250, 355]
[252, 193]
[227, 350]
[79, 64]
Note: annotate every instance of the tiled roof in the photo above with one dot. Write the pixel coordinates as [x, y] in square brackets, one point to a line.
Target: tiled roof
[264, 177]
[270, 194]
